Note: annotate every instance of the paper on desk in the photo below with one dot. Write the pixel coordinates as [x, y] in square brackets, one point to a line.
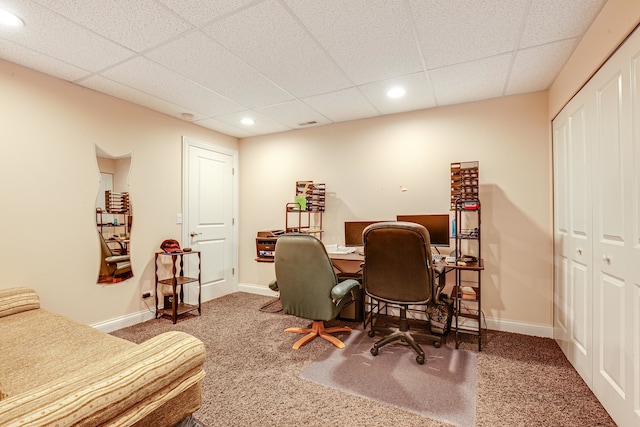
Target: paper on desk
[339, 250]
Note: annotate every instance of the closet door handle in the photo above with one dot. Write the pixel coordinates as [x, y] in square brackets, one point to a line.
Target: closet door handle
[579, 250]
[606, 258]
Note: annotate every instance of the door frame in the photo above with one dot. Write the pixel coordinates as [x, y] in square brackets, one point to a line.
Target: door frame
[209, 293]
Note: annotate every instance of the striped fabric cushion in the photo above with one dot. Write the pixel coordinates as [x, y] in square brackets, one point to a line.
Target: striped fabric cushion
[15, 300]
[118, 391]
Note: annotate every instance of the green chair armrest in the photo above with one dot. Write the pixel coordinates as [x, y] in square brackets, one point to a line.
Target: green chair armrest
[274, 285]
[117, 258]
[343, 288]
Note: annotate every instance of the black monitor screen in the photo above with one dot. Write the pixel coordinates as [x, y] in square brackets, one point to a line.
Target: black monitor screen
[353, 232]
[437, 224]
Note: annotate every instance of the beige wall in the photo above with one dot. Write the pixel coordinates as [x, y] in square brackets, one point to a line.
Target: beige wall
[49, 183]
[365, 163]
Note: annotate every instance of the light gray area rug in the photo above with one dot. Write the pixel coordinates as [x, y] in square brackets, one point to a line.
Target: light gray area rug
[444, 388]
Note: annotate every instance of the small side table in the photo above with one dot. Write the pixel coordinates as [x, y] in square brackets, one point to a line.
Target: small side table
[177, 279]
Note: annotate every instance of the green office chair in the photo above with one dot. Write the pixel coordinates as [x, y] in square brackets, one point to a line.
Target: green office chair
[398, 273]
[111, 265]
[309, 287]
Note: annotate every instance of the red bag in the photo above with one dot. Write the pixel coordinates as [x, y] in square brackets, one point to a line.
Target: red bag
[171, 246]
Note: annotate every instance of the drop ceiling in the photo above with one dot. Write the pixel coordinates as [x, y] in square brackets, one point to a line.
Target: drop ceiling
[291, 64]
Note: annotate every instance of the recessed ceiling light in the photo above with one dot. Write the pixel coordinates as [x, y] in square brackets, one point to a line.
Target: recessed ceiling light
[8, 18]
[187, 116]
[247, 121]
[396, 92]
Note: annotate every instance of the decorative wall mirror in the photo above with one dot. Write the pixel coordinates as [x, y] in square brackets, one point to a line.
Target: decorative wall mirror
[114, 217]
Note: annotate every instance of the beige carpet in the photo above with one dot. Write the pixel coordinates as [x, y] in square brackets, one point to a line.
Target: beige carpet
[253, 376]
[444, 388]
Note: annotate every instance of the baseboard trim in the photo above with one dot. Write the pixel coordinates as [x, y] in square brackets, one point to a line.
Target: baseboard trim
[124, 321]
[532, 329]
[256, 289]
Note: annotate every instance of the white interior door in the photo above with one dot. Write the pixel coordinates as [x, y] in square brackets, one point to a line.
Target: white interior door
[561, 244]
[209, 212]
[580, 241]
[600, 218]
[573, 236]
[612, 381]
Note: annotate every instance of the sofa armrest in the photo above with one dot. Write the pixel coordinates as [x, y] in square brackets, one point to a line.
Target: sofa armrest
[120, 391]
[16, 300]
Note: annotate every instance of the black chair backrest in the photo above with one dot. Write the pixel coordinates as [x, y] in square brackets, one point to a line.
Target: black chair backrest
[398, 264]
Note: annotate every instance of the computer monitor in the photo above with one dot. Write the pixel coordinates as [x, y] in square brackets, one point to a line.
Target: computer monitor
[437, 224]
[353, 232]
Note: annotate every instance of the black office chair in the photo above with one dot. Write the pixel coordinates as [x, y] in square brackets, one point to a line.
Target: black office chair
[398, 272]
[309, 287]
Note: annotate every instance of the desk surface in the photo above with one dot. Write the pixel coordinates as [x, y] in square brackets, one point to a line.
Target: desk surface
[358, 256]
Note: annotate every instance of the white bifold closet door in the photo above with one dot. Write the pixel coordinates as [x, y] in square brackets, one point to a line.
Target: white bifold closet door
[597, 233]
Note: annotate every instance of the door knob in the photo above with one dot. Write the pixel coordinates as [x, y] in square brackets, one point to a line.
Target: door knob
[194, 234]
[606, 258]
[579, 250]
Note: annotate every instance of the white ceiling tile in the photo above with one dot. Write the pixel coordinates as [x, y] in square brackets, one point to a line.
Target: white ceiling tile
[137, 25]
[268, 38]
[171, 87]
[419, 94]
[203, 60]
[294, 114]
[535, 68]
[452, 32]
[263, 125]
[104, 85]
[40, 62]
[295, 61]
[224, 128]
[471, 81]
[551, 20]
[369, 44]
[343, 105]
[54, 36]
[200, 12]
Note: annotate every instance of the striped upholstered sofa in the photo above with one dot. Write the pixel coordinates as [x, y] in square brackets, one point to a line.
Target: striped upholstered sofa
[55, 371]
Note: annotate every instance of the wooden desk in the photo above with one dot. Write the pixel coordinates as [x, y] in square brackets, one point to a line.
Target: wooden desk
[347, 264]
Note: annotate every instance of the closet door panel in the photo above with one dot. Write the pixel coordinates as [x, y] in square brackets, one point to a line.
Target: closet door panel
[580, 237]
[581, 326]
[611, 361]
[612, 172]
[561, 233]
[634, 252]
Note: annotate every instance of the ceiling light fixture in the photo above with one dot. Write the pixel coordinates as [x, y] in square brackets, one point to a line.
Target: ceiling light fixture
[187, 116]
[396, 92]
[247, 121]
[8, 18]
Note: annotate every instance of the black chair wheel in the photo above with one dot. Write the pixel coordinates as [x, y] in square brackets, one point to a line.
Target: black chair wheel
[420, 359]
[374, 351]
[437, 344]
[371, 333]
